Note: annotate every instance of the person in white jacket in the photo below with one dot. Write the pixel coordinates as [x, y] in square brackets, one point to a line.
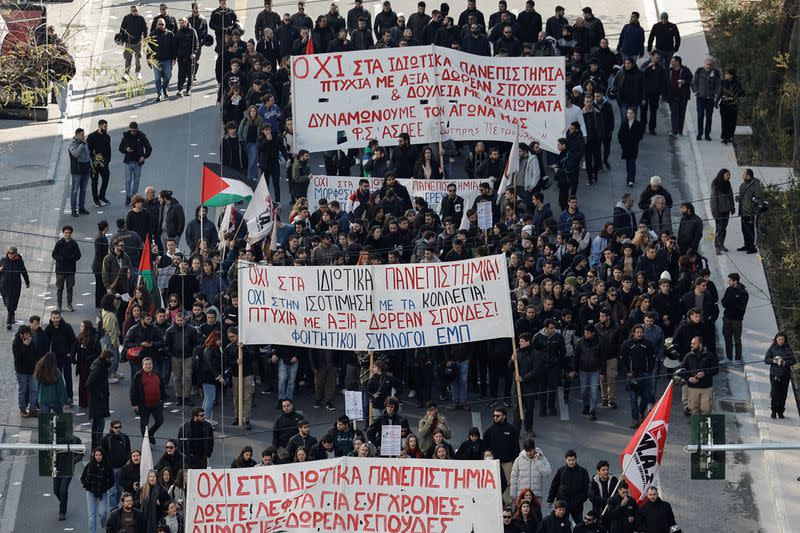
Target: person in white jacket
[529, 471]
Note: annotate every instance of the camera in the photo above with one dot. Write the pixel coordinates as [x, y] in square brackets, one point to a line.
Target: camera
[761, 204]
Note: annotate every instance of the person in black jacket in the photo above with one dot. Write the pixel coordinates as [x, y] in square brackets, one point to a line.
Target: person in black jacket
[549, 349]
[222, 21]
[99, 395]
[502, 439]
[66, 254]
[389, 416]
[187, 44]
[196, 440]
[601, 488]
[570, 484]
[200, 26]
[690, 229]
[587, 361]
[116, 447]
[622, 510]
[699, 368]
[99, 144]
[285, 427]
[655, 515]
[385, 20]
[557, 521]
[528, 368]
[25, 359]
[323, 449]
[266, 19]
[123, 514]
[163, 52]
[629, 136]
[655, 77]
[636, 361]
[97, 478]
[61, 339]
[12, 272]
[136, 149]
[472, 449]
[666, 37]
[146, 403]
[234, 154]
[180, 341]
[133, 30]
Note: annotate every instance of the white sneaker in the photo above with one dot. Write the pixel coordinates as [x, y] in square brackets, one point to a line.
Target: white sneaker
[113, 380]
[412, 393]
[138, 75]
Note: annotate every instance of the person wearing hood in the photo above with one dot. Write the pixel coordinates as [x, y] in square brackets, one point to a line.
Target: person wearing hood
[12, 273]
[529, 471]
[201, 228]
[734, 301]
[601, 488]
[99, 395]
[699, 368]
[80, 166]
[780, 358]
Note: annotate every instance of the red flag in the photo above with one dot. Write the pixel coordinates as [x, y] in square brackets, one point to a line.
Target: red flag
[641, 460]
[310, 46]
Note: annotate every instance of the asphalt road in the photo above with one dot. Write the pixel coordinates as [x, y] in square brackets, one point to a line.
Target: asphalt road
[184, 133]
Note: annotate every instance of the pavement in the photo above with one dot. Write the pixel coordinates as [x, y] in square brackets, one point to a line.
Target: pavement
[184, 132]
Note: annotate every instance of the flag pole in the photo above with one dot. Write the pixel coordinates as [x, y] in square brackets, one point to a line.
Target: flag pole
[519, 385]
[240, 392]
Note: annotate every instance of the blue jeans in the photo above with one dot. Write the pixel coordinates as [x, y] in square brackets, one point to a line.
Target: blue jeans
[287, 375]
[209, 395]
[97, 507]
[162, 73]
[77, 196]
[590, 388]
[252, 162]
[61, 491]
[46, 408]
[458, 387]
[133, 172]
[639, 399]
[26, 391]
[114, 492]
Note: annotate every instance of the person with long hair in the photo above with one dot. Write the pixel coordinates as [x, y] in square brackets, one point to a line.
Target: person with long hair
[128, 476]
[244, 459]
[132, 320]
[152, 502]
[110, 338]
[300, 455]
[172, 458]
[780, 358]
[13, 271]
[165, 478]
[427, 166]
[249, 128]
[211, 372]
[525, 518]
[51, 390]
[97, 478]
[177, 492]
[87, 349]
[722, 207]
[412, 447]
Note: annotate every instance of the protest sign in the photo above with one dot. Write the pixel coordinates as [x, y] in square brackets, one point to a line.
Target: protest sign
[353, 404]
[342, 100]
[484, 215]
[375, 307]
[347, 495]
[391, 437]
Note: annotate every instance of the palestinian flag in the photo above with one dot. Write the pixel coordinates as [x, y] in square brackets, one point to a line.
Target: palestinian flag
[223, 185]
[146, 275]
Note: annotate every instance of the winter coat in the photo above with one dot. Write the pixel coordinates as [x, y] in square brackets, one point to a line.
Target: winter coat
[164, 47]
[636, 357]
[62, 340]
[693, 363]
[11, 277]
[550, 350]
[133, 28]
[780, 372]
[587, 356]
[138, 142]
[629, 136]
[675, 92]
[722, 200]
[426, 429]
[114, 524]
[186, 42]
[706, 83]
[52, 394]
[570, 485]
[656, 221]
[471, 451]
[655, 517]
[137, 389]
[194, 449]
[97, 388]
[503, 440]
[97, 478]
[299, 441]
[529, 473]
[748, 192]
[25, 357]
[116, 449]
[735, 302]
[690, 232]
[374, 430]
[127, 476]
[666, 36]
[619, 514]
[600, 491]
[193, 234]
[631, 40]
[79, 158]
[285, 428]
[172, 462]
[66, 255]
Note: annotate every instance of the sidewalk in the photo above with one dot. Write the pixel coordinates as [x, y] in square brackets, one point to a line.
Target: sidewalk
[760, 324]
[29, 152]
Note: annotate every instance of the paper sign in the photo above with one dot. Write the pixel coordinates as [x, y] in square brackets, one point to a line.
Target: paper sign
[353, 404]
[484, 215]
[391, 438]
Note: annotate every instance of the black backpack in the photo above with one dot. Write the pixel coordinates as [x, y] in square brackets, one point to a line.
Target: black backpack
[197, 359]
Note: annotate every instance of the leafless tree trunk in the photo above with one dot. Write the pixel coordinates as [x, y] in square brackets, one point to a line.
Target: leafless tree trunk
[790, 11]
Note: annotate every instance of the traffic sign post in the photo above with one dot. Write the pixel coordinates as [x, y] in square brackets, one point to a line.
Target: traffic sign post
[707, 430]
[55, 429]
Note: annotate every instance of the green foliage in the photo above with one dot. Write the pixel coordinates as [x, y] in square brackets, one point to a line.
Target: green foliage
[779, 243]
[744, 37]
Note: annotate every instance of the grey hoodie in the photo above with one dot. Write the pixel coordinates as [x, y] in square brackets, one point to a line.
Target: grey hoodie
[79, 150]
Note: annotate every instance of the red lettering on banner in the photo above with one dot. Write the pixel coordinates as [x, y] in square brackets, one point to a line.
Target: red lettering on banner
[258, 276]
[463, 313]
[395, 320]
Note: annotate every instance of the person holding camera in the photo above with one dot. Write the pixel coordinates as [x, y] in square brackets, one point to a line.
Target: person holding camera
[750, 204]
[780, 358]
[636, 361]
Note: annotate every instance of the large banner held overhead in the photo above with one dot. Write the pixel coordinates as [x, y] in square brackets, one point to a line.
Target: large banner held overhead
[339, 188]
[375, 307]
[342, 100]
[348, 495]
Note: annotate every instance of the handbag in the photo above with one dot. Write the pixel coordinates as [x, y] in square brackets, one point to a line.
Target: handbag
[135, 355]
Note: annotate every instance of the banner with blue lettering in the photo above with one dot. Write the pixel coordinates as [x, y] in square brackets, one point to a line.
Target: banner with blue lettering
[375, 307]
